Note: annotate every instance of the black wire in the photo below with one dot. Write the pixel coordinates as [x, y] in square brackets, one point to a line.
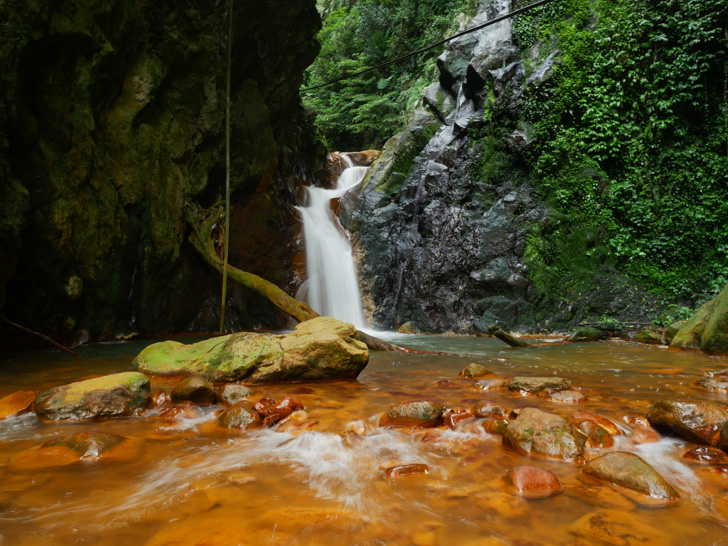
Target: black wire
[433, 46]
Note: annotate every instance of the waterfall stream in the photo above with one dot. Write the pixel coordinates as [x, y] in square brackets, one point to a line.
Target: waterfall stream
[332, 288]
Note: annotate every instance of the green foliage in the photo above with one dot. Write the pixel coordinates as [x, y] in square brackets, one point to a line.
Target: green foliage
[672, 313]
[363, 112]
[631, 137]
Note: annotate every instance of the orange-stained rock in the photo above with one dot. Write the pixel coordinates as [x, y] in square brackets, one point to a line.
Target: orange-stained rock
[290, 402]
[473, 370]
[186, 410]
[696, 420]
[706, 455]
[630, 471]
[607, 424]
[644, 435]
[17, 403]
[455, 416]
[401, 470]
[532, 482]
[566, 397]
[496, 426]
[421, 413]
[265, 406]
[89, 446]
[486, 408]
[240, 416]
[196, 389]
[205, 531]
[490, 384]
[593, 434]
[539, 433]
[276, 414]
[360, 427]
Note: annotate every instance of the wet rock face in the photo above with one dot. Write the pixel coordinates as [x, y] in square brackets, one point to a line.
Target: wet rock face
[108, 396]
[540, 433]
[696, 420]
[195, 389]
[115, 116]
[630, 471]
[240, 416]
[534, 385]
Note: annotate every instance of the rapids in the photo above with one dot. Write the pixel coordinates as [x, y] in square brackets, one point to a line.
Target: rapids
[307, 482]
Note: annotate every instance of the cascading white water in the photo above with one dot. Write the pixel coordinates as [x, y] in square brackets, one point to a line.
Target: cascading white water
[332, 288]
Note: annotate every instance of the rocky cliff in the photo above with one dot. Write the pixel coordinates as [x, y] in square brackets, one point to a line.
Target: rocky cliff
[443, 243]
[111, 120]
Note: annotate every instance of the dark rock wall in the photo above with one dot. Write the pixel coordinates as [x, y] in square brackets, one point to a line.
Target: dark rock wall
[111, 118]
[439, 248]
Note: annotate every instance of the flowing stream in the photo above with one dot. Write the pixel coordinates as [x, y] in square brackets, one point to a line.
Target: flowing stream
[187, 481]
[332, 287]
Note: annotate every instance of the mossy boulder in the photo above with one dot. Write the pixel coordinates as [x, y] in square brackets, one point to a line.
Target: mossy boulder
[650, 337]
[539, 433]
[319, 349]
[589, 333]
[669, 334]
[697, 420]
[707, 329]
[629, 470]
[108, 396]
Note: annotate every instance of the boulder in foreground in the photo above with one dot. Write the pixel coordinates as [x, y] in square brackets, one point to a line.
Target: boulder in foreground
[107, 396]
[696, 420]
[539, 433]
[317, 350]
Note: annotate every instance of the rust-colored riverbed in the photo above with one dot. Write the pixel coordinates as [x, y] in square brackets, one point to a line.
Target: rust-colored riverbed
[188, 482]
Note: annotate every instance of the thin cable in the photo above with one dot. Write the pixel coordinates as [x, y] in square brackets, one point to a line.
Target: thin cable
[433, 46]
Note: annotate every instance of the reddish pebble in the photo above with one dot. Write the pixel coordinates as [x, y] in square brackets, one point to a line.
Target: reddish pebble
[17, 403]
[265, 406]
[644, 435]
[485, 408]
[593, 434]
[454, 416]
[276, 414]
[290, 402]
[406, 470]
[496, 426]
[706, 455]
[636, 420]
[603, 422]
[160, 399]
[532, 482]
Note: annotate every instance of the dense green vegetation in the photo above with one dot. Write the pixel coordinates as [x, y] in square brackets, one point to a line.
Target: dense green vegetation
[631, 142]
[363, 112]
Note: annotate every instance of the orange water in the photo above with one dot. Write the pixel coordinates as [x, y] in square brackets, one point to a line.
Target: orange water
[194, 484]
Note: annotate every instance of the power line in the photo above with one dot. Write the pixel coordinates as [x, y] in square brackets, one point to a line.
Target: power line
[433, 46]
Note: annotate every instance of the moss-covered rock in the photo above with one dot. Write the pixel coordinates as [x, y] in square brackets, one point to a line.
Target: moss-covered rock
[650, 337]
[540, 433]
[318, 349]
[707, 329]
[421, 413]
[588, 333]
[534, 385]
[108, 396]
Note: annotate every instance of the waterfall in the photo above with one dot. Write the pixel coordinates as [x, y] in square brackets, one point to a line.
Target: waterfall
[332, 288]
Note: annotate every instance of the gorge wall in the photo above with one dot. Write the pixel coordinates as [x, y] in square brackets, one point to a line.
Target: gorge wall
[111, 120]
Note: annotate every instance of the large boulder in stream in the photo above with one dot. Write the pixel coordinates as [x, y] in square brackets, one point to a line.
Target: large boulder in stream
[539, 433]
[630, 471]
[707, 329]
[107, 396]
[318, 349]
[696, 420]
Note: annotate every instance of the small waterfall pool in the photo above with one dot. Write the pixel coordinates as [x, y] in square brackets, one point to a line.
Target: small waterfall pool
[332, 287]
[308, 483]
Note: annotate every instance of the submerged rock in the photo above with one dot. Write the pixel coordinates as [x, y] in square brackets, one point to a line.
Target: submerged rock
[474, 370]
[644, 435]
[534, 385]
[453, 417]
[489, 384]
[593, 435]
[607, 424]
[240, 416]
[402, 470]
[617, 528]
[696, 420]
[17, 403]
[319, 349]
[706, 456]
[532, 482]
[422, 413]
[74, 448]
[108, 396]
[630, 471]
[720, 384]
[566, 397]
[540, 433]
[195, 389]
